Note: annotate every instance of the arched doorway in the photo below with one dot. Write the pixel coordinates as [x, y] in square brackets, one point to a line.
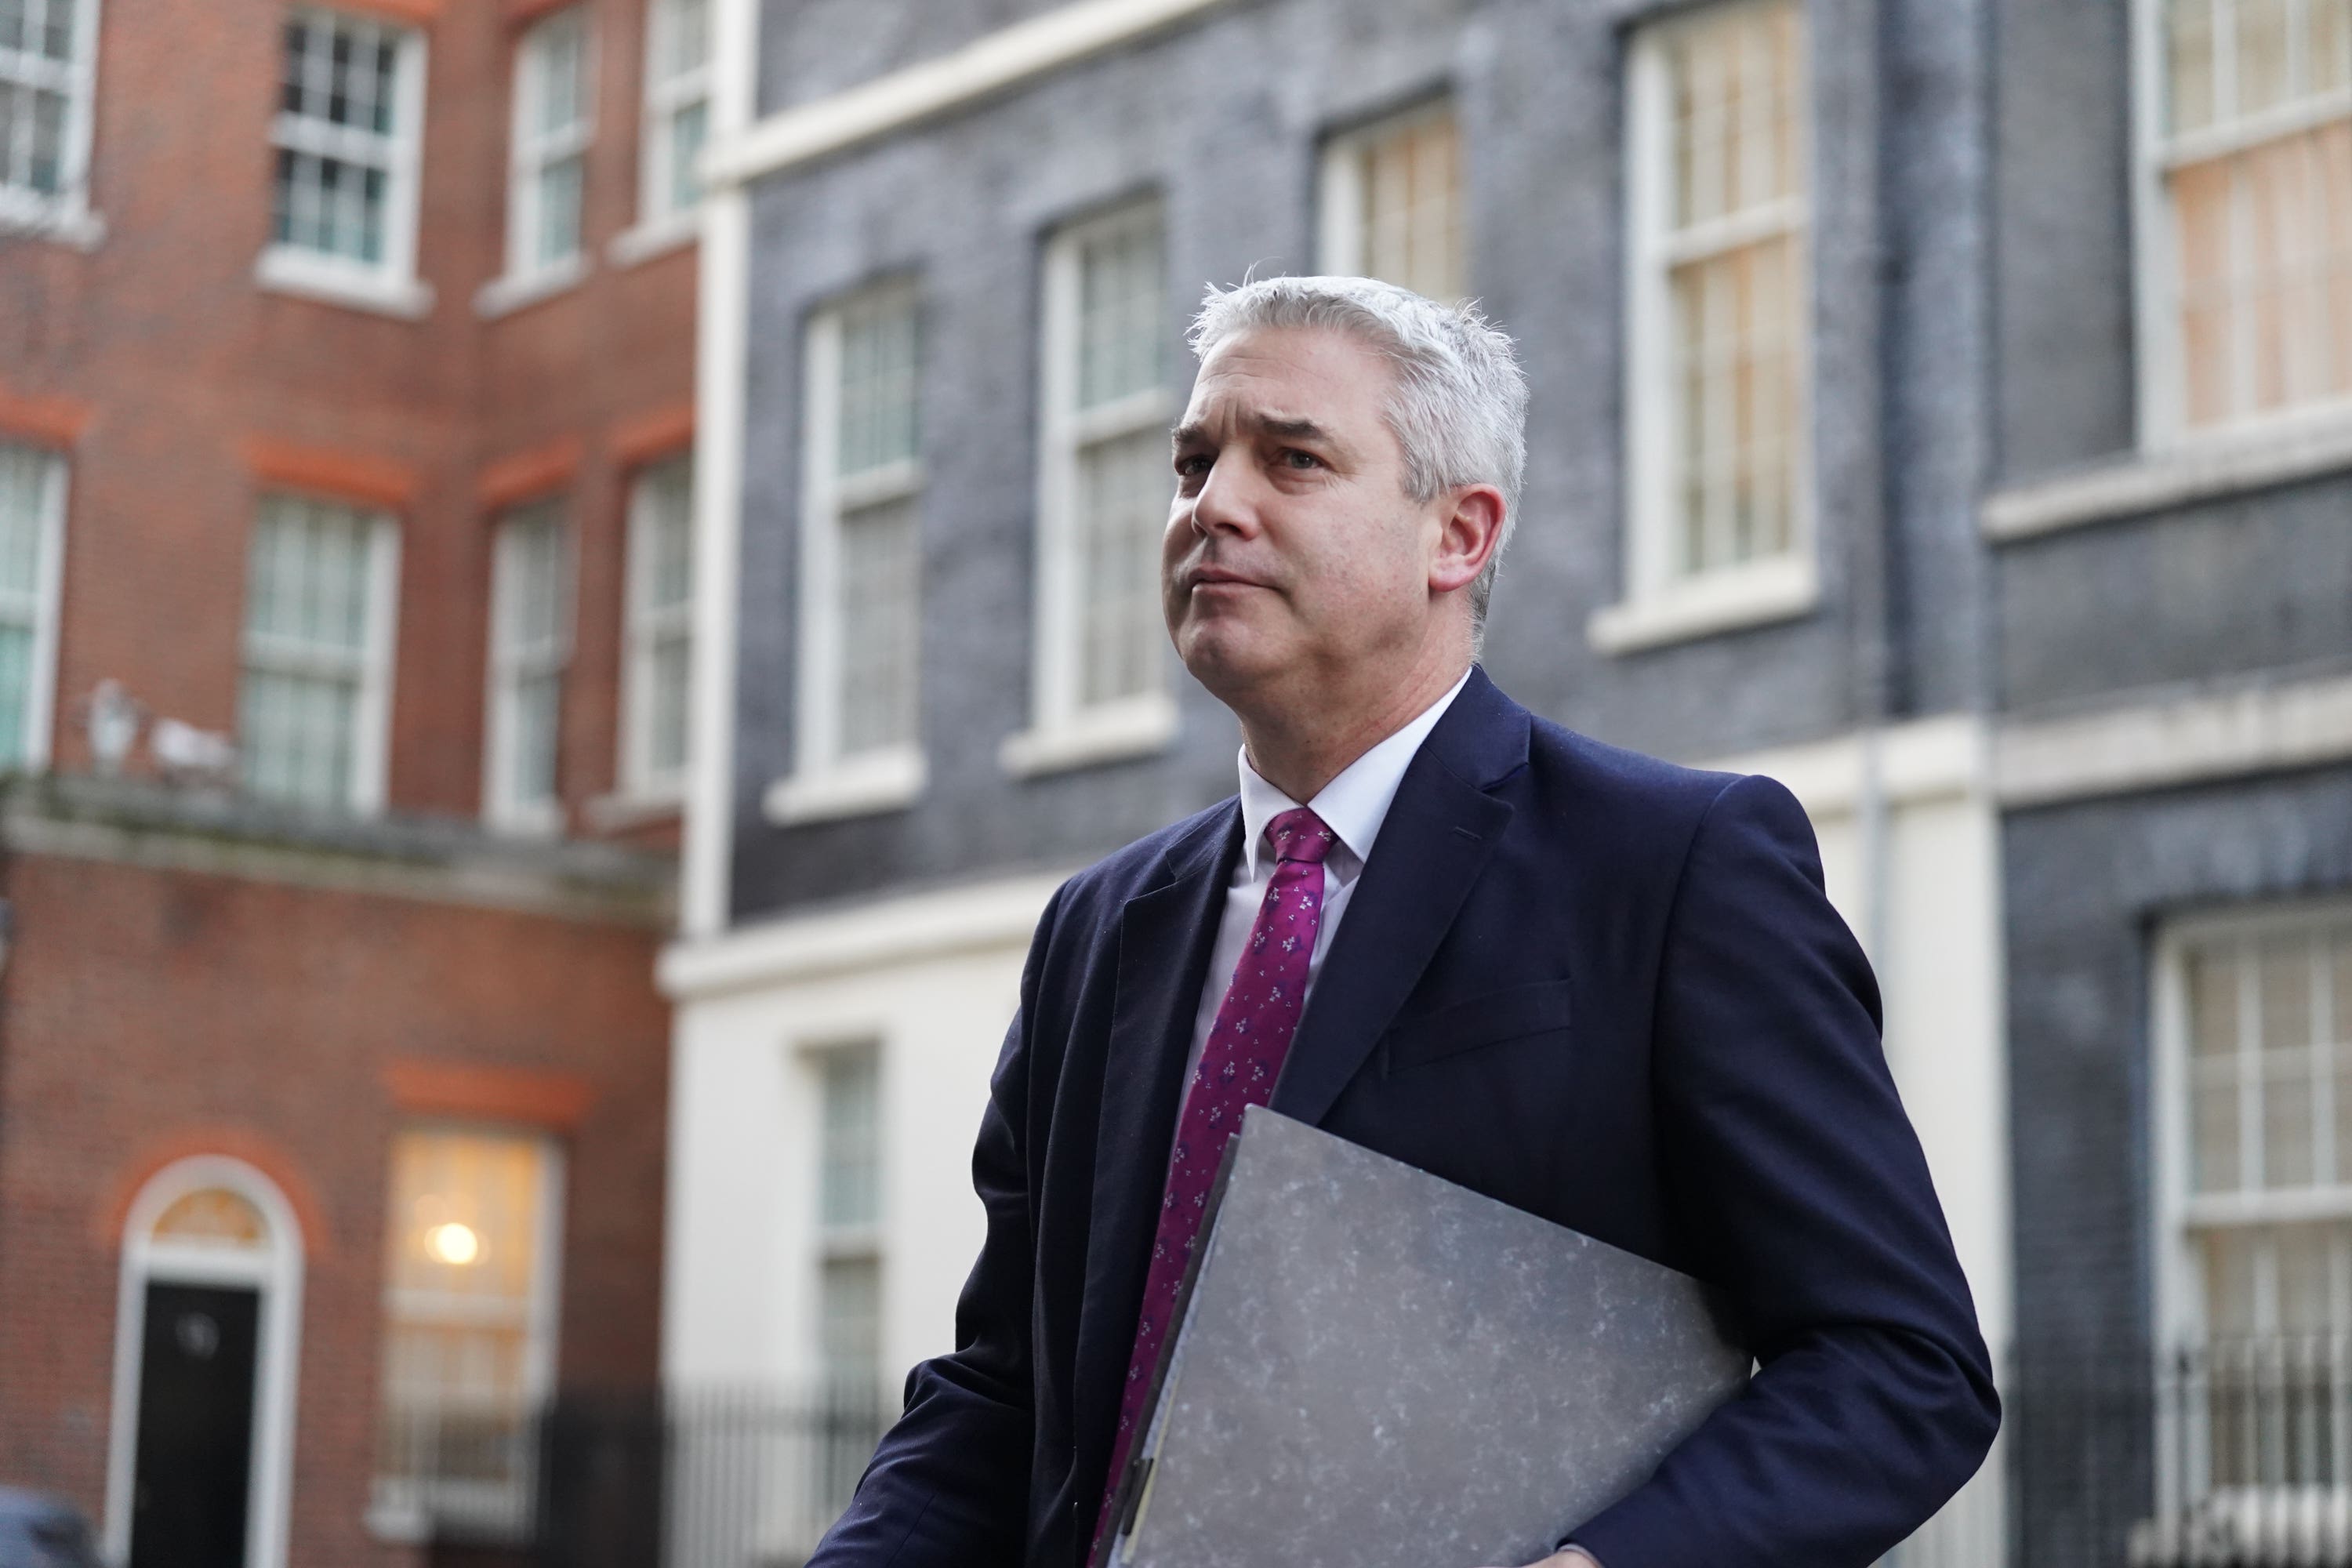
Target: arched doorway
[207, 1326]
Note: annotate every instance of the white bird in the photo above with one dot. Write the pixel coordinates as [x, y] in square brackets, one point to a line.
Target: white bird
[185, 751]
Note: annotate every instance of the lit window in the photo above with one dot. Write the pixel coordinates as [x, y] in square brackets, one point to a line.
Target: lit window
[315, 698]
[1105, 484]
[849, 1213]
[32, 533]
[345, 139]
[1393, 203]
[660, 627]
[553, 122]
[530, 644]
[856, 731]
[45, 49]
[1716, 354]
[469, 1326]
[2254, 243]
[677, 104]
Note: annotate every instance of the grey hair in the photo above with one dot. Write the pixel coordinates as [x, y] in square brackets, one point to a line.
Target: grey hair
[1460, 408]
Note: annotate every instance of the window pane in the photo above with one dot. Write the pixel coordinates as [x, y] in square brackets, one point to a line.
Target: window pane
[669, 514]
[879, 617]
[1123, 496]
[559, 48]
[530, 642]
[879, 374]
[2262, 49]
[558, 210]
[2190, 49]
[306, 633]
[1736, 90]
[337, 76]
[27, 475]
[2265, 287]
[463, 1282]
[849, 1315]
[673, 659]
[1411, 216]
[1120, 312]
[850, 1165]
[688, 128]
[1734, 320]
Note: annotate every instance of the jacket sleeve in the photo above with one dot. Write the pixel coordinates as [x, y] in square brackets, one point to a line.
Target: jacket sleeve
[1799, 1185]
[949, 1487]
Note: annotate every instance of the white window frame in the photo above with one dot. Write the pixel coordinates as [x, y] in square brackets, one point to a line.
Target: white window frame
[527, 280]
[67, 216]
[646, 624]
[499, 807]
[1064, 733]
[1340, 226]
[2178, 1315]
[1659, 606]
[41, 673]
[663, 222]
[395, 1512]
[391, 286]
[2162, 362]
[371, 718]
[824, 785]
[275, 1273]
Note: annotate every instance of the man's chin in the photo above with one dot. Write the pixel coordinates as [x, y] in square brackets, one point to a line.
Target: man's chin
[1228, 660]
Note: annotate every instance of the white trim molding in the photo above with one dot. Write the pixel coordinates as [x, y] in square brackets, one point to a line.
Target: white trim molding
[274, 1271]
[721, 353]
[37, 611]
[1944, 758]
[1758, 594]
[1002, 61]
[862, 785]
[900, 929]
[2214, 469]
[2188, 738]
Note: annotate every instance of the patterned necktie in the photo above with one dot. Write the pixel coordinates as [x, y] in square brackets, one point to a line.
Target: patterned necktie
[1238, 1066]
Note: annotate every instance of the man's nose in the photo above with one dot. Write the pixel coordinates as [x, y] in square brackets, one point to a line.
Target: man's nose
[1227, 501]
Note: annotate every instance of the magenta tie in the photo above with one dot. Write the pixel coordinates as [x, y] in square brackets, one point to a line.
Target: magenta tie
[1238, 1066]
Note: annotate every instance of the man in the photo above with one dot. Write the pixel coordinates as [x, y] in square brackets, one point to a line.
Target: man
[1603, 989]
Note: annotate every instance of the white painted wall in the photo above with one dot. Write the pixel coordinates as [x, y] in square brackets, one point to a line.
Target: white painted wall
[934, 979]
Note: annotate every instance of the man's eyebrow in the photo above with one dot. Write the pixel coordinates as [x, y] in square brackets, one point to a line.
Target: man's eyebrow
[1289, 429]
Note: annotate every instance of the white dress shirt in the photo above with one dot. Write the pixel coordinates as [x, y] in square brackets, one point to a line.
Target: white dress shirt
[1352, 805]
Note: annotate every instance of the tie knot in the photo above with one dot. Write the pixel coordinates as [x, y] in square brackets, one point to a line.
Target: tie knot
[1300, 834]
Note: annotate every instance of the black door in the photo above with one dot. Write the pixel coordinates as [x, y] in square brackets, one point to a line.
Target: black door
[195, 1427]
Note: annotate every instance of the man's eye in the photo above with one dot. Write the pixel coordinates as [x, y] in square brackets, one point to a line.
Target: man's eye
[1292, 458]
[1191, 465]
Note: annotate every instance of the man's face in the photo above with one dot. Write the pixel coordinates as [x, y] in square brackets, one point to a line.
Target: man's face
[1293, 552]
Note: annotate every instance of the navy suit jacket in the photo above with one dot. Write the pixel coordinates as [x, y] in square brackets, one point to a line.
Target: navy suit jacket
[1599, 987]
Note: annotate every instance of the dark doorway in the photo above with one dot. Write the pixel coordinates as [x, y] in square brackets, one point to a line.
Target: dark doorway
[195, 1427]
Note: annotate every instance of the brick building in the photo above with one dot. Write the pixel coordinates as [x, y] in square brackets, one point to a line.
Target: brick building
[346, 417]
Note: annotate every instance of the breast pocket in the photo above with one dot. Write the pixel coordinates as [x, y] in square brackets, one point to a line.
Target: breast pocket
[1488, 1019]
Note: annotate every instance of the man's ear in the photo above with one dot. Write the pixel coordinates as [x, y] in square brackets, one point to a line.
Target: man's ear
[1468, 536]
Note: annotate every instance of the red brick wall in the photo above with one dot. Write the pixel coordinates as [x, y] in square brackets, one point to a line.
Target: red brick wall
[147, 1013]
[162, 331]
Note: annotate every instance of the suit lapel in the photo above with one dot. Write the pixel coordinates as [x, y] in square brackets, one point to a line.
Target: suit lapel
[1165, 937]
[1436, 837]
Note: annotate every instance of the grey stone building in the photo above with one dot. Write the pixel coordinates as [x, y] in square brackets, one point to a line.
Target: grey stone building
[1945, 406]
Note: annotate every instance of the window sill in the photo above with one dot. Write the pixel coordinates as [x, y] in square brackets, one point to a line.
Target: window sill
[61, 220]
[1138, 727]
[1758, 594]
[542, 820]
[864, 787]
[516, 292]
[656, 236]
[2208, 470]
[287, 272]
[627, 809]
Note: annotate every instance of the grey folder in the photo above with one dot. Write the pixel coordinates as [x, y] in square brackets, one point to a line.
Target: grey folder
[1376, 1368]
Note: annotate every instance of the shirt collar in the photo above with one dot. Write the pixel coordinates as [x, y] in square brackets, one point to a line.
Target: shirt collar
[1355, 804]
